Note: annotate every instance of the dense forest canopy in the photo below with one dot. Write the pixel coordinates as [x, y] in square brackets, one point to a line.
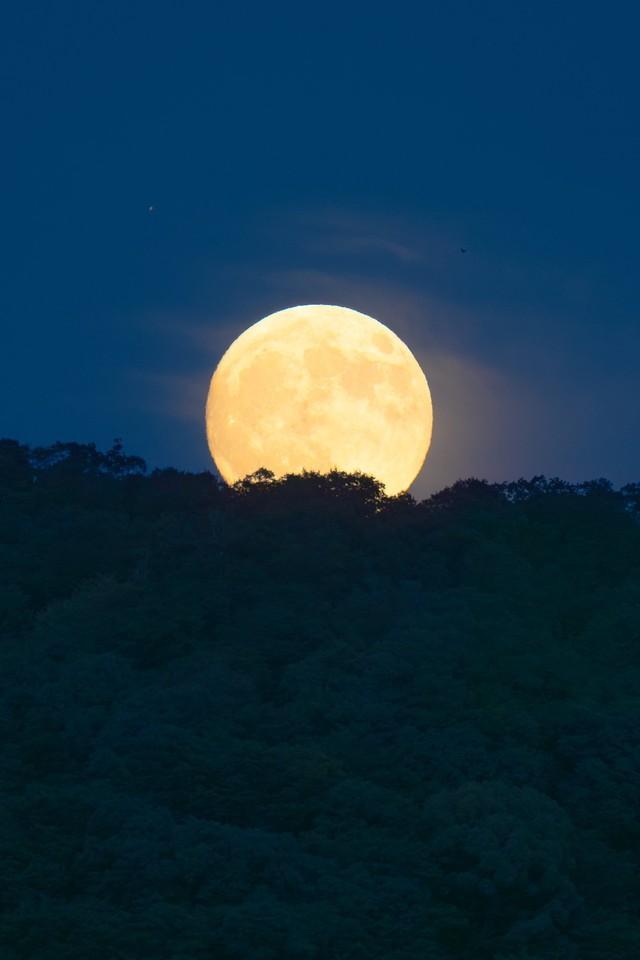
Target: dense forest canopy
[297, 720]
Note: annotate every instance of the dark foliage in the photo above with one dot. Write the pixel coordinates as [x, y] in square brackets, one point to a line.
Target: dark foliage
[297, 719]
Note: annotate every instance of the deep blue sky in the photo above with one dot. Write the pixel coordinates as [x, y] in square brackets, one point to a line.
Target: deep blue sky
[329, 153]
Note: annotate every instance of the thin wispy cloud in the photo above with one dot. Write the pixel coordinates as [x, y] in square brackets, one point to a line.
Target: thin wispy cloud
[331, 232]
[177, 396]
[335, 231]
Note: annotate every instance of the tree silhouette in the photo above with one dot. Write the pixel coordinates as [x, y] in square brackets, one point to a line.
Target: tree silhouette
[296, 718]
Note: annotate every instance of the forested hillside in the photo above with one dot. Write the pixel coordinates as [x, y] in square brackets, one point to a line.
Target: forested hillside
[296, 720]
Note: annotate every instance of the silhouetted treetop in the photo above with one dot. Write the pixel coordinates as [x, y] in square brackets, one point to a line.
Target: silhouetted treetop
[69, 459]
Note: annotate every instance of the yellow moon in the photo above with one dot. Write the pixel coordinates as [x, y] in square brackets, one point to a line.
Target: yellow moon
[319, 388]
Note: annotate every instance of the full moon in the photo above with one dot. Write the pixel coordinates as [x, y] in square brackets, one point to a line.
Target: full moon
[318, 388]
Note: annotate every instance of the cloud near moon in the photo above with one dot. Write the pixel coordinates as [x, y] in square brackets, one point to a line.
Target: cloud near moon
[319, 387]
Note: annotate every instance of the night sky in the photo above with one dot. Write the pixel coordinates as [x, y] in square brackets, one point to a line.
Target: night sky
[321, 153]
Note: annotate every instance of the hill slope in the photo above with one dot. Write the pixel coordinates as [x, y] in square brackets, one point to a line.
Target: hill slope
[298, 720]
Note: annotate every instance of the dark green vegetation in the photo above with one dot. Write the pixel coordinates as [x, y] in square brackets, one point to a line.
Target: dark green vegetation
[298, 720]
